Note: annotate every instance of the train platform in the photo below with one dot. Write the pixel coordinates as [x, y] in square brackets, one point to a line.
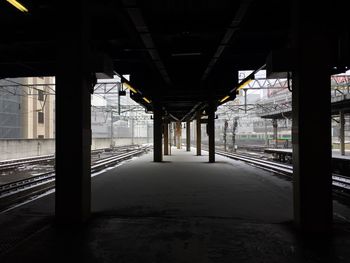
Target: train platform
[181, 210]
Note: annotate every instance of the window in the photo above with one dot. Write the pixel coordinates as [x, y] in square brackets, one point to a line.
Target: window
[41, 95]
[40, 136]
[40, 117]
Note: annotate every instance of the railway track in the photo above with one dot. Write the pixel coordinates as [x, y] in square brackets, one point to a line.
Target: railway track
[340, 182]
[10, 164]
[17, 191]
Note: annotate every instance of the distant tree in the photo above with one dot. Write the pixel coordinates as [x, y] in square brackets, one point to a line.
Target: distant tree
[225, 135]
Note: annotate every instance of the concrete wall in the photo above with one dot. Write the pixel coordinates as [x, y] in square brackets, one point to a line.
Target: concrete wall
[21, 148]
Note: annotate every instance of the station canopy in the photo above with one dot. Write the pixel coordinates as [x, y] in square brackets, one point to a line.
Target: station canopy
[183, 53]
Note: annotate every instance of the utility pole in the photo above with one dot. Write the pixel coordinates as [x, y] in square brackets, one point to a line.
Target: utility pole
[118, 99]
[245, 100]
[234, 128]
[266, 138]
[275, 131]
[112, 143]
[132, 131]
[147, 132]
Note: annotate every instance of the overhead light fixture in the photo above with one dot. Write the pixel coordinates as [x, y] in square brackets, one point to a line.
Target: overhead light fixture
[186, 54]
[129, 87]
[241, 86]
[147, 100]
[224, 98]
[244, 84]
[18, 5]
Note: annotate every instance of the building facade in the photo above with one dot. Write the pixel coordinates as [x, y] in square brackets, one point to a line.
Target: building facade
[27, 108]
[37, 110]
[10, 111]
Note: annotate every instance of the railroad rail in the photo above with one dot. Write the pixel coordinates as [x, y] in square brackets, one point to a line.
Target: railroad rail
[339, 182]
[20, 190]
[9, 164]
[13, 163]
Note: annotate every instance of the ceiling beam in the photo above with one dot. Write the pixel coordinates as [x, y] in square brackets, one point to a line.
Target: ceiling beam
[137, 19]
[233, 27]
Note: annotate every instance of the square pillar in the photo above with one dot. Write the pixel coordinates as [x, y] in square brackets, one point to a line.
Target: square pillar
[342, 133]
[73, 118]
[178, 135]
[166, 137]
[311, 132]
[211, 134]
[157, 133]
[199, 135]
[188, 136]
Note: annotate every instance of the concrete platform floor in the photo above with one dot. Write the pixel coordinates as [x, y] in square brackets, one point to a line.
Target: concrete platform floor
[181, 210]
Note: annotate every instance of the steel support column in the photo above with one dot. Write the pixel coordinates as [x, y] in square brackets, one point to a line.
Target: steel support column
[166, 137]
[199, 135]
[188, 136]
[174, 129]
[73, 117]
[211, 134]
[312, 180]
[157, 133]
[178, 135]
[342, 133]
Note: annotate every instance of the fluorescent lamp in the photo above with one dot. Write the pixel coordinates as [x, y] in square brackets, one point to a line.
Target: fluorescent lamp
[244, 84]
[147, 100]
[224, 98]
[186, 54]
[18, 5]
[129, 87]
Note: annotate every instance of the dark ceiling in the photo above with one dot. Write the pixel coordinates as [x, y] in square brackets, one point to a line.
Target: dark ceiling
[183, 53]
